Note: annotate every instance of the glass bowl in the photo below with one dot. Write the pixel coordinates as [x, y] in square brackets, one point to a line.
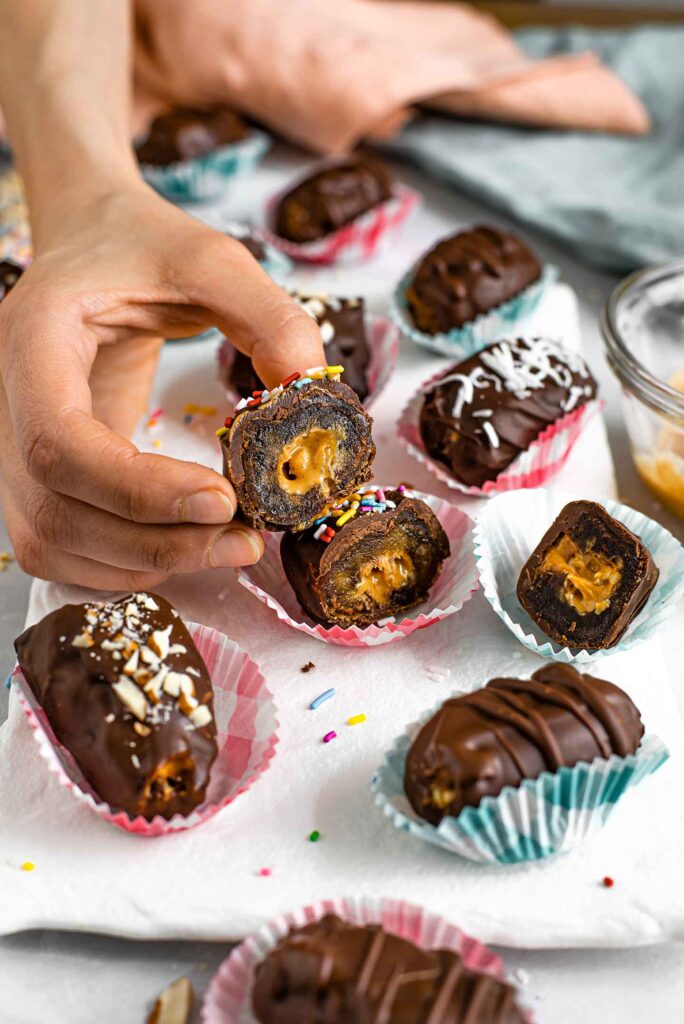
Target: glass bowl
[643, 330]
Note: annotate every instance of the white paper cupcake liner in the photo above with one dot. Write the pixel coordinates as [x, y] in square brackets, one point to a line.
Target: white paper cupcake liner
[508, 530]
[544, 458]
[541, 818]
[247, 735]
[455, 585]
[460, 342]
[365, 237]
[383, 343]
[228, 999]
[205, 177]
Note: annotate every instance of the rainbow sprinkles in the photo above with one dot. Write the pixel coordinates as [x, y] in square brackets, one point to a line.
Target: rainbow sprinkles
[263, 396]
[366, 501]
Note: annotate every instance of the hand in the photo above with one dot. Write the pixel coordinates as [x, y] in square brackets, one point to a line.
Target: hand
[79, 340]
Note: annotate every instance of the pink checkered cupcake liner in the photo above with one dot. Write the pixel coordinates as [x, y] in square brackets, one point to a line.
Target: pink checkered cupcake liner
[454, 587]
[544, 458]
[363, 238]
[247, 735]
[382, 337]
[228, 999]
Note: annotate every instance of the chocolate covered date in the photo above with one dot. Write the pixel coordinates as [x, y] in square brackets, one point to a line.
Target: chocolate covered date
[295, 451]
[375, 556]
[587, 579]
[339, 973]
[127, 693]
[468, 274]
[331, 198]
[187, 134]
[515, 729]
[488, 409]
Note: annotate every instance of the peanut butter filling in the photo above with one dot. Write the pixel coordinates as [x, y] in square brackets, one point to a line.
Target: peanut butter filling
[308, 461]
[170, 780]
[385, 574]
[589, 579]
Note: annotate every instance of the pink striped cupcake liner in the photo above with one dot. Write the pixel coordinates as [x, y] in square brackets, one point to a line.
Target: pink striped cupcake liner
[455, 585]
[363, 238]
[382, 337]
[228, 999]
[247, 734]
[544, 458]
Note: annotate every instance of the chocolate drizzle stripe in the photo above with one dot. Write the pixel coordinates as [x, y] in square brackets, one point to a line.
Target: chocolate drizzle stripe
[447, 990]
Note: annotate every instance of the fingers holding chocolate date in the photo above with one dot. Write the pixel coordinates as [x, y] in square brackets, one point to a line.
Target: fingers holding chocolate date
[81, 332]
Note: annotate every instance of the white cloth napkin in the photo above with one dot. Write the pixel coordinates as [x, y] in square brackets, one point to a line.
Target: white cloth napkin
[207, 883]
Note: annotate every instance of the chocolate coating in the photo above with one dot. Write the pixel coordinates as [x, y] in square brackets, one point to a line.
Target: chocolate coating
[620, 571]
[251, 241]
[187, 134]
[468, 274]
[255, 447]
[9, 275]
[331, 198]
[332, 972]
[407, 543]
[488, 409]
[342, 324]
[102, 674]
[515, 729]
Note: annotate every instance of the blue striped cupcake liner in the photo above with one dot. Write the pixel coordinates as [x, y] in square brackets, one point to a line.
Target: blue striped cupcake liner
[205, 177]
[542, 817]
[510, 527]
[462, 342]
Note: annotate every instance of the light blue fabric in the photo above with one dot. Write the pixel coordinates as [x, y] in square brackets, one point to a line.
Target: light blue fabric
[617, 202]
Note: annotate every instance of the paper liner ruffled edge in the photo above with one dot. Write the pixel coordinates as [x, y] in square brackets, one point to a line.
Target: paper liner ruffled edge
[383, 342]
[656, 611]
[458, 528]
[249, 682]
[497, 323]
[361, 239]
[203, 178]
[228, 999]
[542, 460]
[541, 818]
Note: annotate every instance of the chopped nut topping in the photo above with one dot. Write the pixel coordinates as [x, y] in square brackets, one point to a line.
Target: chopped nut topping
[83, 640]
[201, 716]
[132, 697]
[142, 729]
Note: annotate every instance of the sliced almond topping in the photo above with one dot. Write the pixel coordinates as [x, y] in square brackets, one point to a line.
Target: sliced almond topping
[159, 641]
[131, 666]
[153, 686]
[187, 703]
[83, 640]
[132, 697]
[148, 656]
[174, 1004]
[201, 716]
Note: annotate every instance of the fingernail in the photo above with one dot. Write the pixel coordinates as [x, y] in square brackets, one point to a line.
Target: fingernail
[235, 547]
[209, 506]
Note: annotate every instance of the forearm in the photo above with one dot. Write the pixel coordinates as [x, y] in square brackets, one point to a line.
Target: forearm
[65, 95]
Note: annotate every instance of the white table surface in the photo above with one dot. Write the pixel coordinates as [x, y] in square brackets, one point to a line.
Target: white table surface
[58, 978]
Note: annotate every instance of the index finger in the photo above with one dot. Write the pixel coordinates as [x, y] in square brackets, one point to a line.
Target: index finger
[46, 361]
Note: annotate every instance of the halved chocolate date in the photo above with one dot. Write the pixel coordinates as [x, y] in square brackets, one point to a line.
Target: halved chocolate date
[127, 693]
[294, 453]
[331, 198]
[343, 332]
[344, 973]
[468, 274]
[488, 409]
[515, 729]
[366, 563]
[588, 577]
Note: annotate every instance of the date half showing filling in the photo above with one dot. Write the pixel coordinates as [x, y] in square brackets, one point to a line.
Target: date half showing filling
[515, 729]
[377, 554]
[587, 579]
[293, 452]
[339, 973]
[127, 693]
